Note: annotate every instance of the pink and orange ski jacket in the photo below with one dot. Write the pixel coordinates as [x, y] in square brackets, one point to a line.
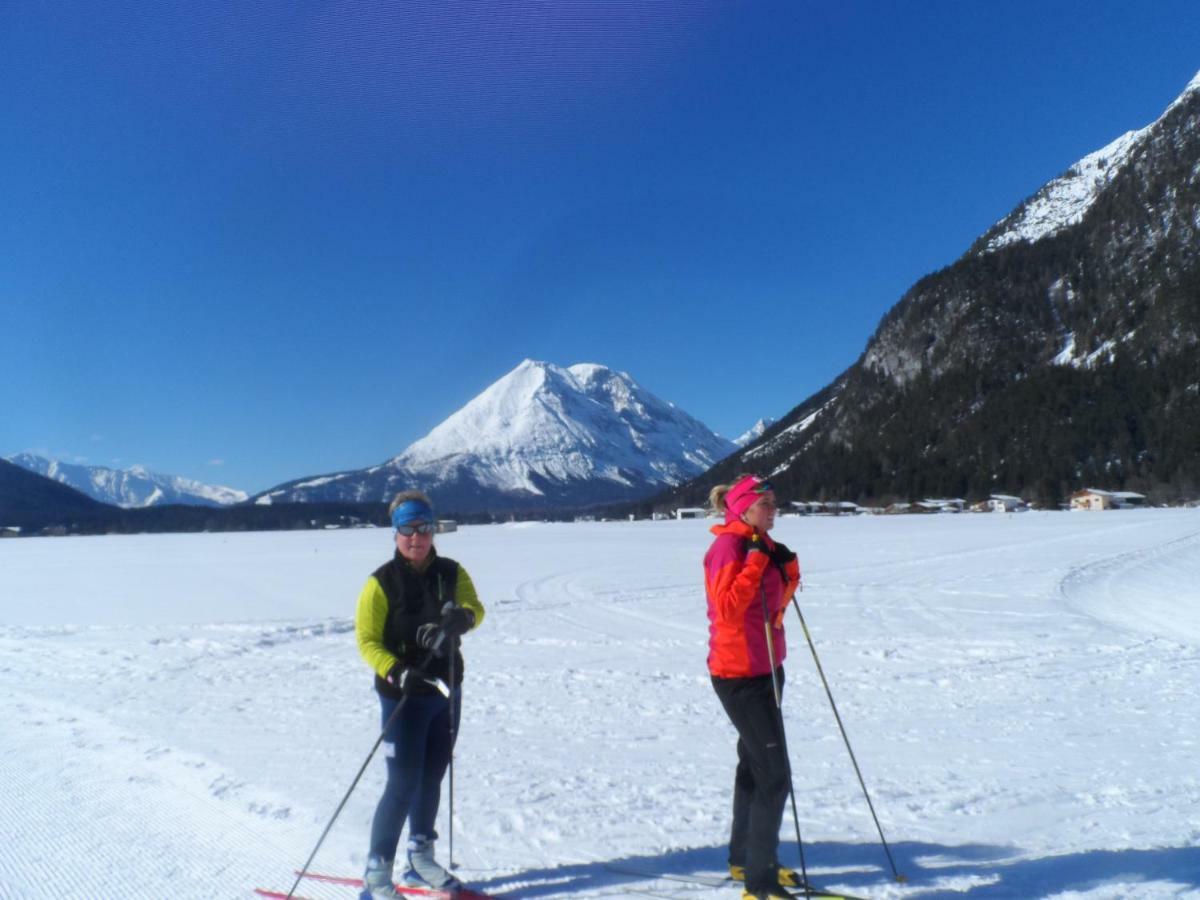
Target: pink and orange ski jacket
[735, 582]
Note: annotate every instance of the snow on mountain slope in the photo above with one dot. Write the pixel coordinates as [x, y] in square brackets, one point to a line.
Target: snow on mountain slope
[754, 432]
[1065, 200]
[585, 421]
[130, 488]
[542, 435]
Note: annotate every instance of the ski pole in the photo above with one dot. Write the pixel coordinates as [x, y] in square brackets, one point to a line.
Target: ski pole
[453, 654]
[445, 608]
[787, 757]
[857, 771]
[363, 768]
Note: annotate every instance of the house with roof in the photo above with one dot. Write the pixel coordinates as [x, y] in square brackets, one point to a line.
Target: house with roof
[951, 505]
[1092, 499]
[1005, 503]
[1098, 499]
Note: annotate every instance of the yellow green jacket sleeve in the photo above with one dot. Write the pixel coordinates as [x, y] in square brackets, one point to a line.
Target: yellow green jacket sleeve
[369, 620]
[465, 595]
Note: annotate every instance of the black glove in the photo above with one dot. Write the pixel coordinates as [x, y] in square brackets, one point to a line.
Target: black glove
[427, 635]
[405, 678]
[755, 544]
[781, 555]
[457, 621]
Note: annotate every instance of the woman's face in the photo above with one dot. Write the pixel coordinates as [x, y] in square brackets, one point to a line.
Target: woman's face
[761, 516]
[416, 546]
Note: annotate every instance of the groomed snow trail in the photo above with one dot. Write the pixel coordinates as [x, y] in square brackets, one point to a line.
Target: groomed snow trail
[182, 713]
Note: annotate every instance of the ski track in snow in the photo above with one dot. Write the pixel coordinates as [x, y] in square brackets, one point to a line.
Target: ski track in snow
[1020, 692]
[1114, 589]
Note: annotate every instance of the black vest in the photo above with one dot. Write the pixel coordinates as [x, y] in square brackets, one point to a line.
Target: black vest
[415, 599]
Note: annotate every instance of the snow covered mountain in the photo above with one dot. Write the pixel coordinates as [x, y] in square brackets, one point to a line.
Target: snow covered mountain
[1062, 349]
[131, 488]
[541, 437]
[754, 432]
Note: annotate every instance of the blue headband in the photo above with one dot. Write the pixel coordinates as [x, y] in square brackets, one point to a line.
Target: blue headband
[412, 511]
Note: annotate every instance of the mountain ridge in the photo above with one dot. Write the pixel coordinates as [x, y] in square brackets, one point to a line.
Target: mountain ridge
[128, 488]
[540, 437]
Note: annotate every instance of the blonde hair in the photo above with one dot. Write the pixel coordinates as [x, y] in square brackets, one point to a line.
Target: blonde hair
[405, 496]
[716, 497]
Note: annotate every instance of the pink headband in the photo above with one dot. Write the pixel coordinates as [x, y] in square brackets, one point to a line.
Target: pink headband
[744, 494]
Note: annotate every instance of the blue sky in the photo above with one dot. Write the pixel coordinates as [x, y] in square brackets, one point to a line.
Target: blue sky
[247, 243]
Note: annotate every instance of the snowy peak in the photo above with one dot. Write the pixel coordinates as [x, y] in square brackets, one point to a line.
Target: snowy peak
[754, 433]
[1064, 201]
[532, 406]
[544, 422]
[131, 488]
[542, 436]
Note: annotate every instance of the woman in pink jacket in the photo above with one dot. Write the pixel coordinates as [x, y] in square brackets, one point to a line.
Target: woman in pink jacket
[749, 579]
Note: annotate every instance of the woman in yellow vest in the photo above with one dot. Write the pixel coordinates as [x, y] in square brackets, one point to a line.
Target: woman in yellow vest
[411, 614]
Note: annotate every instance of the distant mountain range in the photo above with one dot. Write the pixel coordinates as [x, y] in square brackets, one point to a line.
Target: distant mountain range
[541, 437]
[129, 488]
[33, 503]
[1062, 350]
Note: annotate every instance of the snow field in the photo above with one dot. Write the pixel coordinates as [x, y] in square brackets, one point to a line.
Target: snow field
[182, 713]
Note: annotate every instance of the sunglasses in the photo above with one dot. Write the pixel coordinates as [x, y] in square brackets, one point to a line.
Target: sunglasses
[763, 487]
[422, 528]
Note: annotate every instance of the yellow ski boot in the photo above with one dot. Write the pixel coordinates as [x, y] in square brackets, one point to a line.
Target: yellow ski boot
[785, 876]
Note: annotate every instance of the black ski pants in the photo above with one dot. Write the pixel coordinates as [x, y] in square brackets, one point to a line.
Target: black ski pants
[417, 748]
[760, 788]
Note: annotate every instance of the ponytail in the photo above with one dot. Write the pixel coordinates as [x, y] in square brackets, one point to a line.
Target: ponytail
[716, 497]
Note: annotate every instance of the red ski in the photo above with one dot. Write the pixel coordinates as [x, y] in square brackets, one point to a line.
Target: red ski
[462, 893]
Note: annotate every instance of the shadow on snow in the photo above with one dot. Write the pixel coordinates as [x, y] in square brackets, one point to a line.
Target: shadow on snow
[934, 871]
